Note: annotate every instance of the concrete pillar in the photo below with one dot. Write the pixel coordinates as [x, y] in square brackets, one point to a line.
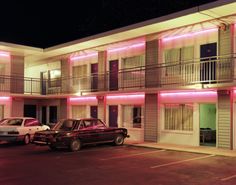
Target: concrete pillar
[102, 108]
[225, 119]
[152, 72]
[17, 107]
[65, 73]
[151, 117]
[63, 109]
[17, 75]
[102, 77]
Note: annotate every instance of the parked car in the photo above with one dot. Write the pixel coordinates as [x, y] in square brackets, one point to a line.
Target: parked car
[73, 133]
[20, 129]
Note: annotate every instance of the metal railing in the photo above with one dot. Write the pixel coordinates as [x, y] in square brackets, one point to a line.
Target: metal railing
[213, 70]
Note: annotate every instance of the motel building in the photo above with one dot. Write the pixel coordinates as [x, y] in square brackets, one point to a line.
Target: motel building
[169, 80]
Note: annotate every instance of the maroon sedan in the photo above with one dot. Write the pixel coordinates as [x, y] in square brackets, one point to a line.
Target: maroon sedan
[73, 133]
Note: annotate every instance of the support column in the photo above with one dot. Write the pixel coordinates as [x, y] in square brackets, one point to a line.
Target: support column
[63, 108]
[17, 74]
[225, 119]
[151, 117]
[102, 108]
[17, 107]
[151, 60]
[65, 73]
[102, 78]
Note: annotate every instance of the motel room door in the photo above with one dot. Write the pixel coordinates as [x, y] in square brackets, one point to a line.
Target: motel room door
[94, 112]
[113, 116]
[113, 75]
[208, 64]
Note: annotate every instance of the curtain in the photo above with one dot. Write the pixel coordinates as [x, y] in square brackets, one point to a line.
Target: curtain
[178, 117]
[79, 111]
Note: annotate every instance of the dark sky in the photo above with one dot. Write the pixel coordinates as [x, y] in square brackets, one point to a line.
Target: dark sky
[46, 23]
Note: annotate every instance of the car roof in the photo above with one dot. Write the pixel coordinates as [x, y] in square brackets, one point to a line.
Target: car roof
[19, 118]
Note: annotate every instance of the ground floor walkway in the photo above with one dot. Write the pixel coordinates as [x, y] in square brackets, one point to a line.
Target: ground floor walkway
[185, 148]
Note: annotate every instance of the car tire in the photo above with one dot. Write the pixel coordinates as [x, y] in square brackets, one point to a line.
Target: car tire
[26, 139]
[119, 140]
[75, 145]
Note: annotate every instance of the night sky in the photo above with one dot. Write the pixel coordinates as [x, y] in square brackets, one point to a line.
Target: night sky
[46, 23]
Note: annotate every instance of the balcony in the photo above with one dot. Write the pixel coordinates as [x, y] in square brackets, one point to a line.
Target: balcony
[206, 72]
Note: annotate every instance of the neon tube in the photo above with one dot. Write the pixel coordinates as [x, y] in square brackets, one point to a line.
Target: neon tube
[83, 99]
[4, 54]
[83, 56]
[189, 34]
[131, 96]
[174, 94]
[4, 98]
[126, 47]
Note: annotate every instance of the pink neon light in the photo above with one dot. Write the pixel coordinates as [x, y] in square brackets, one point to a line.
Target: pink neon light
[131, 96]
[77, 99]
[174, 94]
[126, 47]
[189, 34]
[4, 98]
[83, 56]
[4, 54]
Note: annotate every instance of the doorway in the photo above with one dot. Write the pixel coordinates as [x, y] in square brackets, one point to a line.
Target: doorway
[113, 75]
[53, 114]
[113, 115]
[30, 111]
[44, 115]
[44, 78]
[208, 54]
[207, 121]
[94, 112]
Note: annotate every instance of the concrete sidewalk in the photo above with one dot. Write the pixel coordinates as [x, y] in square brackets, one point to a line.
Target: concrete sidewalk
[184, 148]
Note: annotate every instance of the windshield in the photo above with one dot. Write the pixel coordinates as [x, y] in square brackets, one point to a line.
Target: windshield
[11, 122]
[65, 125]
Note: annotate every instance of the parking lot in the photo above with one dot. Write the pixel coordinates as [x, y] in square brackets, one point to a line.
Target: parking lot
[106, 164]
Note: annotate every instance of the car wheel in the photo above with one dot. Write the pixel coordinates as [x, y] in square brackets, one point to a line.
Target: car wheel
[119, 140]
[26, 139]
[75, 145]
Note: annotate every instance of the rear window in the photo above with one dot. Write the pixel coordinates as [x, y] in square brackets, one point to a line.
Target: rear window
[11, 122]
[31, 122]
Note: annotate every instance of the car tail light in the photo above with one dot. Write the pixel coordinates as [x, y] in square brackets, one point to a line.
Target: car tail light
[13, 132]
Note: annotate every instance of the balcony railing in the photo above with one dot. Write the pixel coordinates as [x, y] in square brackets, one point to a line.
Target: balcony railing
[214, 70]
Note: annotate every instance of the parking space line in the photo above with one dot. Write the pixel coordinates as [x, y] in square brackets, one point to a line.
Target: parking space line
[94, 150]
[131, 155]
[228, 178]
[182, 161]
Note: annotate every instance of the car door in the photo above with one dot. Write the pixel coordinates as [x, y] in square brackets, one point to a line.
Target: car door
[103, 133]
[31, 126]
[87, 132]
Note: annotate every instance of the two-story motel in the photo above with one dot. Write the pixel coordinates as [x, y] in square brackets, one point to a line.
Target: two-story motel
[168, 80]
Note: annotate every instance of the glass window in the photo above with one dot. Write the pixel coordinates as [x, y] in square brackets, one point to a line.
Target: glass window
[11, 122]
[31, 122]
[79, 74]
[178, 117]
[79, 111]
[55, 78]
[66, 125]
[132, 116]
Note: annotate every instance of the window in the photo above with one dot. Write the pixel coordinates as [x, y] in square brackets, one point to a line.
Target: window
[131, 65]
[79, 73]
[31, 122]
[178, 117]
[177, 56]
[79, 111]
[55, 78]
[132, 116]
[2, 72]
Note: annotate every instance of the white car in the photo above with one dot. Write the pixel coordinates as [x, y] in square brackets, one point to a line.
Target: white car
[20, 129]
